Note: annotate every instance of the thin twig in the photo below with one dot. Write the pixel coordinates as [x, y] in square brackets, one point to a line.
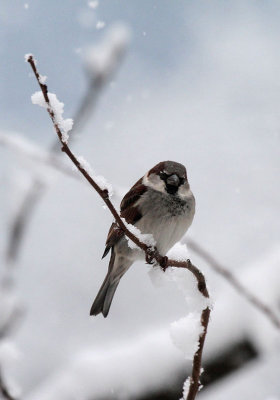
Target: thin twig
[226, 274]
[33, 196]
[152, 254]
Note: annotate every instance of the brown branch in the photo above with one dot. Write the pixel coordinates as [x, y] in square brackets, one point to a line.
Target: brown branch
[152, 255]
[85, 110]
[196, 371]
[226, 274]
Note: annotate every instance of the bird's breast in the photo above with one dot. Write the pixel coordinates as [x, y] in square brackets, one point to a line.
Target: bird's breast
[166, 217]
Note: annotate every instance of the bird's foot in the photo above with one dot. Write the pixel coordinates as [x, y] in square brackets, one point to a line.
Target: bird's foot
[150, 257]
[163, 263]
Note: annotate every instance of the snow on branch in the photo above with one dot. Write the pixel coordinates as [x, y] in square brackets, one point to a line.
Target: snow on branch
[146, 238]
[152, 255]
[55, 108]
[111, 51]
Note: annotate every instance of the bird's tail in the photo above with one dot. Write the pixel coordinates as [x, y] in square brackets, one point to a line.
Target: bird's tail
[103, 300]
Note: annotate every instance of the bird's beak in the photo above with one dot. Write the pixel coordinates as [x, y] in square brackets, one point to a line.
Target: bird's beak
[173, 180]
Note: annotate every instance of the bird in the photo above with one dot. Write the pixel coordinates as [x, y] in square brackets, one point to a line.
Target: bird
[160, 203]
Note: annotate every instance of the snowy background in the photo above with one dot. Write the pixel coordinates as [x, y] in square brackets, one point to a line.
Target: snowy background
[199, 84]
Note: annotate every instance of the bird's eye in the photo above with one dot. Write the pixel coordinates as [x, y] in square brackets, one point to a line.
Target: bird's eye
[163, 176]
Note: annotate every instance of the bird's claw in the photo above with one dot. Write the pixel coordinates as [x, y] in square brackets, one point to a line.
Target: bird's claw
[153, 258]
[163, 263]
[150, 257]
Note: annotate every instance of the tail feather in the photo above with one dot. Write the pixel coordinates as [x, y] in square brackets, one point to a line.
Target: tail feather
[103, 300]
[109, 297]
[97, 306]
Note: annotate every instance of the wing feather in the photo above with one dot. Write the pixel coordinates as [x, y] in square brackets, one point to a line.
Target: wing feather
[129, 211]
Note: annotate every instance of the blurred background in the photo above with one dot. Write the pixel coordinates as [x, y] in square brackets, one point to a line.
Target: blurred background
[145, 81]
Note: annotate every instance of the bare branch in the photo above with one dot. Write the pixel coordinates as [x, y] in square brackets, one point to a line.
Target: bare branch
[152, 255]
[233, 281]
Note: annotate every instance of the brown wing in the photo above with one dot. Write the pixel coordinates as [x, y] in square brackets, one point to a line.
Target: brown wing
[114, 235]
[130, 213]
[133, 195]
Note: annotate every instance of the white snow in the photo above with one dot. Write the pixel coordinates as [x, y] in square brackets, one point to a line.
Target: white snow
[179, 252]
[145, 238]
[185, 334]
[26, 57]
[65, 125]
[85, 165]
[42, 79]
[186, 387]
[103, 184]
[99, 179]
[183, 278]
[38, 98]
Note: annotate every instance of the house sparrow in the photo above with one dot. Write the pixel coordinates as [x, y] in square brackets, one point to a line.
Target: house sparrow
[160, 203]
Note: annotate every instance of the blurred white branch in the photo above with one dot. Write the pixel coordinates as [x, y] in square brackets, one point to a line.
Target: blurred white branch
[101, 62]
[29, 150]
[10, 314]
[233, 281]
[4, 390]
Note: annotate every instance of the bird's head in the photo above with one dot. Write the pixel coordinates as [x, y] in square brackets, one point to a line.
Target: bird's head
[168, 177]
